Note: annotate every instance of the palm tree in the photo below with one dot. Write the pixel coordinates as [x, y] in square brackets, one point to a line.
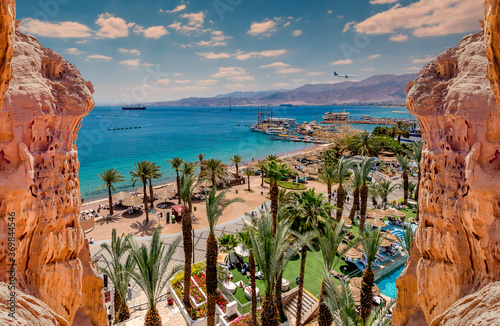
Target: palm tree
[269, 250]
[187, 181]
[154, 173]
[355, 185]
[404, 163]
[214, 171]
[118, 273]
[215, 208]
[341, 170]
[275, 173]
[327, 177]
[386, 188]
[401, 129]
[365, 168]
[201, 161]
[188, 167]
[176, 163]
[152, 276]
[411, 189]
[416, 155]
[329, 242]
[110, 176]
[248, 172]
[141, 173]
[371, 241]
[312, 211]
[262, 166]
[374, 192]
[272, 157]
[244, 239]
[364, 144]
[236, 159]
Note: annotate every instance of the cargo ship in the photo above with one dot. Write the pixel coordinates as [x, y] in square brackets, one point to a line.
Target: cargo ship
[134, 107]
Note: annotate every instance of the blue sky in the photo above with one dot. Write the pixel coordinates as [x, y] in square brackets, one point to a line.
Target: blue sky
[150, 50]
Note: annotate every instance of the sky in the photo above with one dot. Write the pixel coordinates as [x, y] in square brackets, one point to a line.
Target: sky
[150, 50]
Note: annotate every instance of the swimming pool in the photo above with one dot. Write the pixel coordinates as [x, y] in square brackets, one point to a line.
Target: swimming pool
[387, 285]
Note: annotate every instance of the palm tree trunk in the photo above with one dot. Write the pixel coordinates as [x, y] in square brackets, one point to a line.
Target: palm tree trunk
[301, 286]
[405, 187]
[277, 296]
[188, 248]
[110, 201]
[274, 203]
[151, 194]
[152, 317]
[248, 183]
[269, 315]
[251, 267]
[366, 293]
[362, 211]
[340, 201]
[237, 171]
[145, 201]
[329, 189]
[178, 187]
[118, 306]
[399, 138]
[416, 195]
[124, 312]
[324, 316]
[211, 278]
[355, 204]
[262, 178]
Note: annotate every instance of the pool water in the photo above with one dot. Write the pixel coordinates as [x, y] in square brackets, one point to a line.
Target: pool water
[387, 285]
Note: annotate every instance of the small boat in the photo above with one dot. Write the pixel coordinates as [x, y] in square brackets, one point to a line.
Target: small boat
[273, 138]
[296, 139]
[132, 107]
[275, 131]
[308, 140]
[318, 141]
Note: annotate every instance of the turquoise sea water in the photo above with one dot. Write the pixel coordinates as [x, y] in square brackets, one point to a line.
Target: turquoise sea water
[185, 132]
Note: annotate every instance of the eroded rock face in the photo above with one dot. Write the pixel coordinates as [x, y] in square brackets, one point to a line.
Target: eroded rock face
[39, 121]
[7, 23]
[456, 249]
[492, 38]
[29, 310]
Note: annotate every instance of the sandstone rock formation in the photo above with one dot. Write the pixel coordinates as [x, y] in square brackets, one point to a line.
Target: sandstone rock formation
[7, 22]
[479, 309]
[39, 121]
[29, 310]
[492, 35]
[456, 249]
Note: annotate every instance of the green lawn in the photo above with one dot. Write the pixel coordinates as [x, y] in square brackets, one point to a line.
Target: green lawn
[289, 185]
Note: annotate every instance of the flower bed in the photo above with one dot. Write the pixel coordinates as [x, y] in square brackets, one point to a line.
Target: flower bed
[246, 320]
[197, 294]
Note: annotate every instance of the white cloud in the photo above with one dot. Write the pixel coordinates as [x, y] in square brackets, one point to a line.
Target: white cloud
[81, 41]
[297, 32]
[147, 64]
[426, 18]
[99, 57]
[225, 72]
[206, 82]
[329, 12]
[177, 9]
[165, 81]
[241, 78]
[262, 54]
[195, 19]
[212, 55]
[280, 85]
[348, 26]
[55, 30]
[217, 39]
[73, 51]
[414, 69]
[178, 74]
[424, 60]
[154, 32]
[186, 81]
[191, 88]
[374, 56]
[131, 63]
[111, 26]
[276, 65]
[399, 38]
[315, 73]
[236, 87]
[341, 62]
[194, 25]
[131, 51]
[265, 28]
[382, 2]
[289, 70]
[368, 69]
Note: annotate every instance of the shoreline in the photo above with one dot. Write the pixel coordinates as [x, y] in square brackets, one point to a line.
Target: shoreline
[104, 200]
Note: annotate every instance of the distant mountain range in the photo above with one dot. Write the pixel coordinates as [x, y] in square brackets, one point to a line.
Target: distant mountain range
[377, 90]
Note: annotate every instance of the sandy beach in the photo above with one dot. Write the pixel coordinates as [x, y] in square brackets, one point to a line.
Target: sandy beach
[136, 225]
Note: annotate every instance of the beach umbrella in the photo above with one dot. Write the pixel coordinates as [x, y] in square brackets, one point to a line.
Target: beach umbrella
[171, 187]
[391, 237]
[375, 213]
[122, 195]
[132, 201]
[166, 193]
[351, 253]
[376, 222]
[221, 258]
[395, 212]
[359, 247]
[355, 287]
[309, 170]
[385, 243]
